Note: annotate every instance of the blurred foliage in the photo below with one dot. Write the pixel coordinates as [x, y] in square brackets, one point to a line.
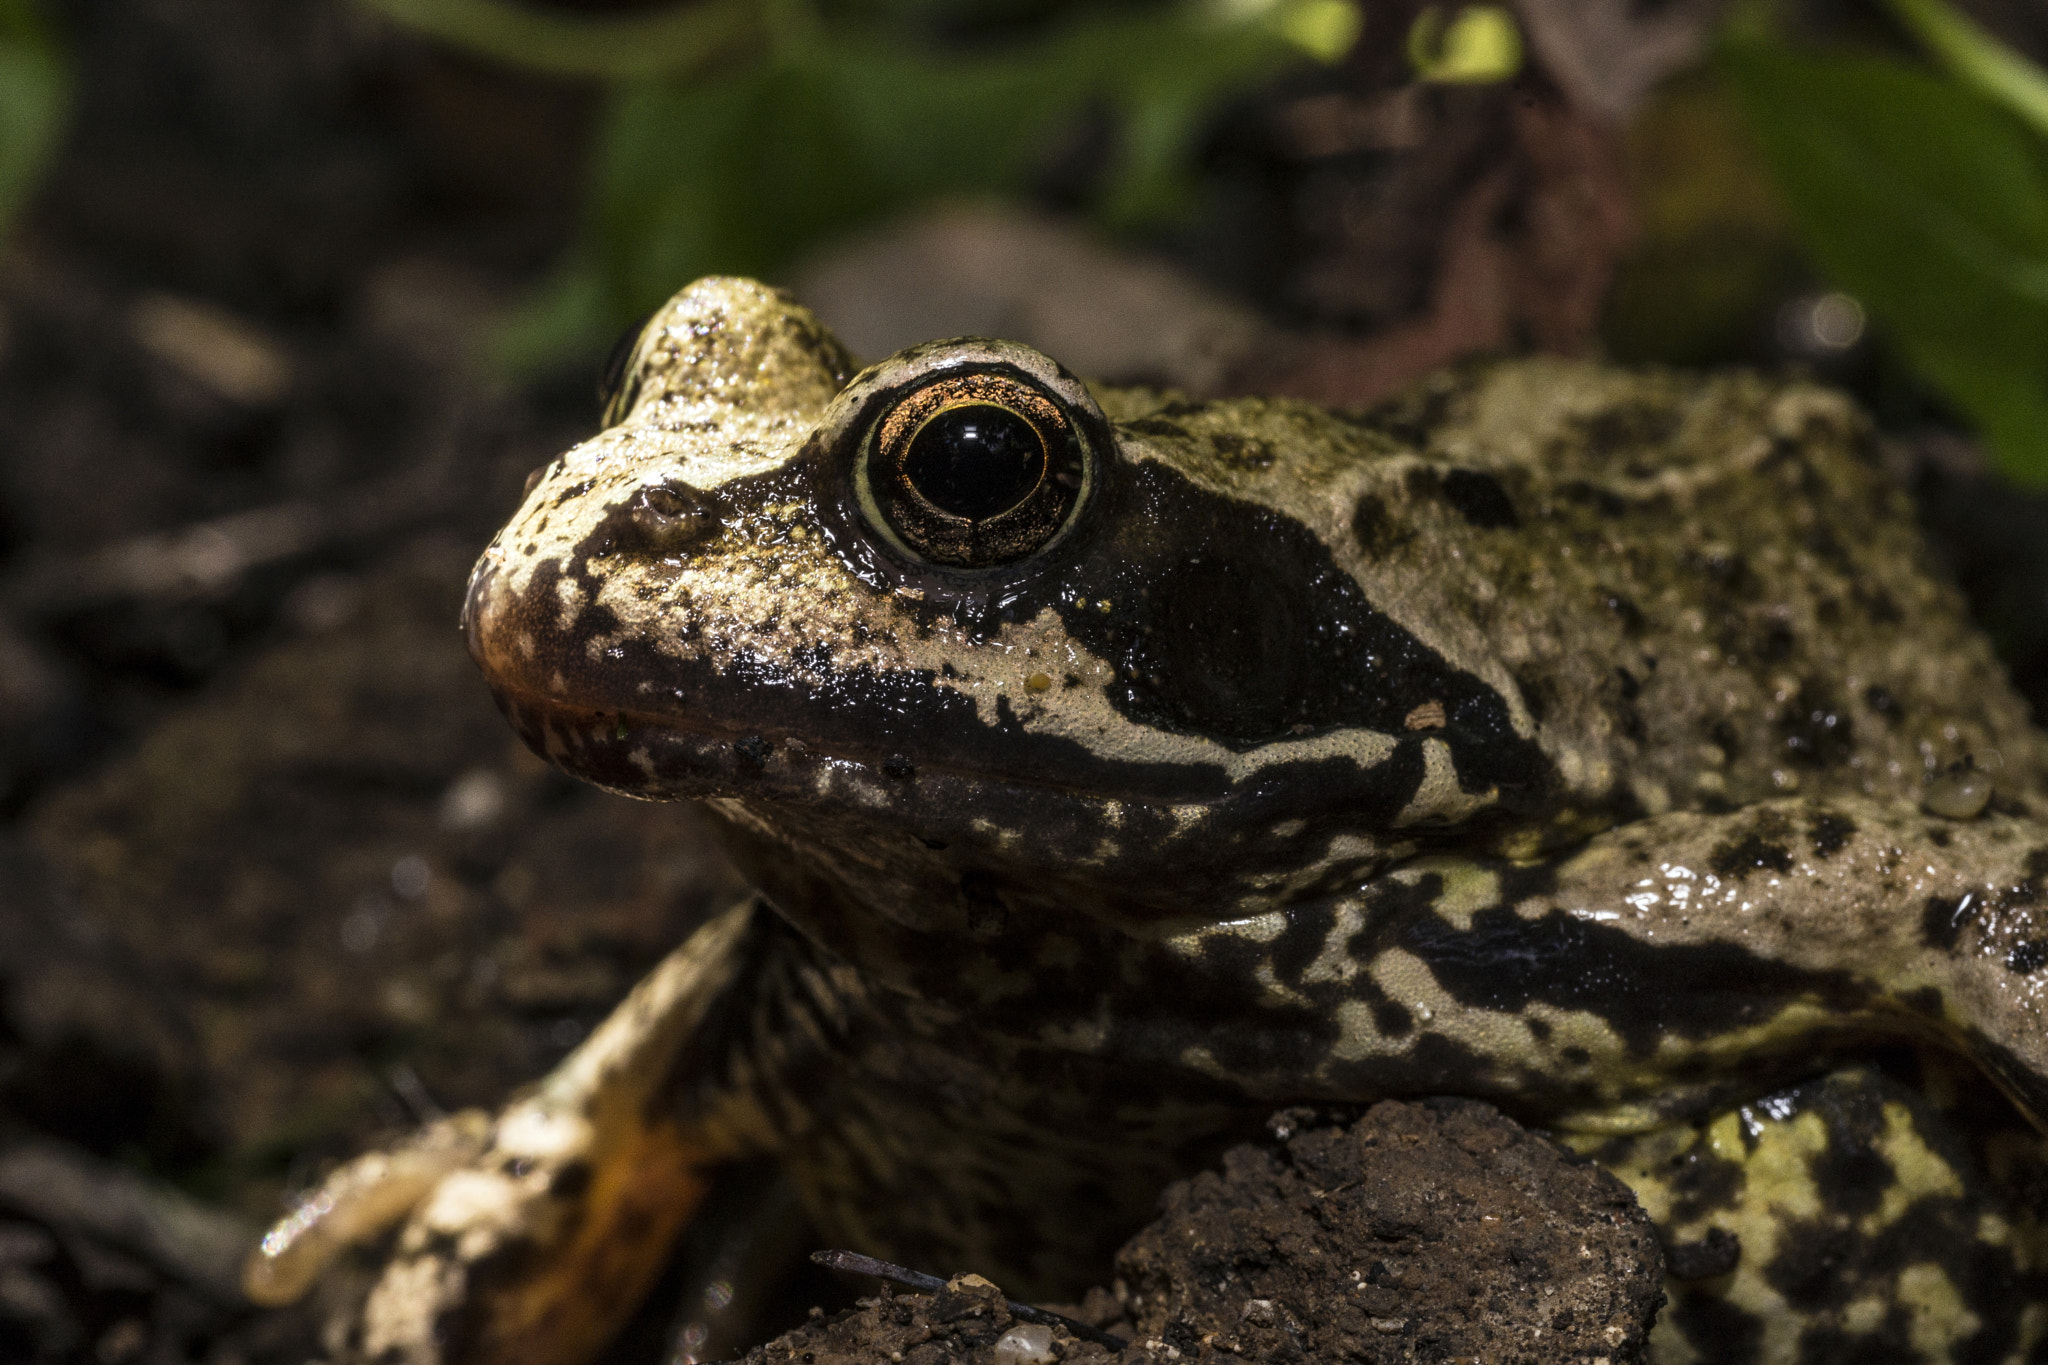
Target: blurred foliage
[1714, 253]
[1924, 193]
[1477, 44]
[673, 40]
[737, 135]
[1978, 59]
[35, 85]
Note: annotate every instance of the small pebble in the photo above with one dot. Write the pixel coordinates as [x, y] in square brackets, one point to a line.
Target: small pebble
[1025, 1344]
[476, 800]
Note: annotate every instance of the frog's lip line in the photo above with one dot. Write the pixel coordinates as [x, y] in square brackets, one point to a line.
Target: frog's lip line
[558, 715]
[1208, 786]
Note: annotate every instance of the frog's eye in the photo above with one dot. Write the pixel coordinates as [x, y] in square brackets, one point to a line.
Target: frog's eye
[973, 470]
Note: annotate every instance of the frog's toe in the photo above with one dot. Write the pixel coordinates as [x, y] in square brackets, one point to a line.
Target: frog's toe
[535, 1251]
[357, 1204]
[531, 1237]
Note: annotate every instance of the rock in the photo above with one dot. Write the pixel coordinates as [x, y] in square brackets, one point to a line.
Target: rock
[1432, 1231]
[1423, 1231]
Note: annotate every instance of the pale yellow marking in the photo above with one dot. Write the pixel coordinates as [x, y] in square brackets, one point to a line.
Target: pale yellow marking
[1939, 1317]
[1916, 1171]
[1439, 798]
[1863, 1315]
[1467, 888]
[1260, 929]
[1253, 928]
[1359, 1036]
[1334, 961]
[1573, 1028]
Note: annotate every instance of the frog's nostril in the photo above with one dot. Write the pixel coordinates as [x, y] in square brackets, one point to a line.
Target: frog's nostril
[667, 519]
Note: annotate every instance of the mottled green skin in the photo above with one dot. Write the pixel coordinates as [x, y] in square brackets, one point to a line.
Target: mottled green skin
[1553, 735]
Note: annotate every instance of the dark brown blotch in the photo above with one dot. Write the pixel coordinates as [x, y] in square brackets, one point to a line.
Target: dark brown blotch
[1392, 1019]
[1816, 728]
[1480, 499]
[1715, 1254]
[1775, 642]
[1830, 831]
[1624, 611]
[1879, 605]
[1375, 531]
[1725, 569]
[2027, 956]
[1943, 918]
[1764, 846]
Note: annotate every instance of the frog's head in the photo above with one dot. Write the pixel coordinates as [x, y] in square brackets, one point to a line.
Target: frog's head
[965, 646]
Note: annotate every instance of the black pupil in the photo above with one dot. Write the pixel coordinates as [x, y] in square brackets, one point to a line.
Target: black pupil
[975, 461]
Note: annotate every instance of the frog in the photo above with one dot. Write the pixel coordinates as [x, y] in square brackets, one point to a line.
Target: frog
[1116, 768]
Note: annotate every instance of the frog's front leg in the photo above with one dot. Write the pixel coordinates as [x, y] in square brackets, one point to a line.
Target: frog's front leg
[1689, 947]
[531, 1238]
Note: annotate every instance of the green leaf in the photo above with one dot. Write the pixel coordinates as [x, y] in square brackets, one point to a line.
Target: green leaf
[1928, 203]
[741, 172]
[1478, 45]
[1978, 59]
[35, 84]
[677, 37]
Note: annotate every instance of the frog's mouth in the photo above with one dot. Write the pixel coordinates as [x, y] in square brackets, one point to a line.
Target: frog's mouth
[1167, 841]
[661, 756]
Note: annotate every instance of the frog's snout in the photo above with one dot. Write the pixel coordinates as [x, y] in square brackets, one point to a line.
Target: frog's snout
[475, 598]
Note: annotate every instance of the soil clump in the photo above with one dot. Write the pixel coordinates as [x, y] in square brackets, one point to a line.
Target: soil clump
[1432, 1231]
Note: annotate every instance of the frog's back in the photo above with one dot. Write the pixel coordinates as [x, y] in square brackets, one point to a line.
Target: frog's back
[1703, 591]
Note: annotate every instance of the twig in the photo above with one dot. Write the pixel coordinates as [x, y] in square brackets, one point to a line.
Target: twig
[207, 558]
[855, 1263]
[74, 1192]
